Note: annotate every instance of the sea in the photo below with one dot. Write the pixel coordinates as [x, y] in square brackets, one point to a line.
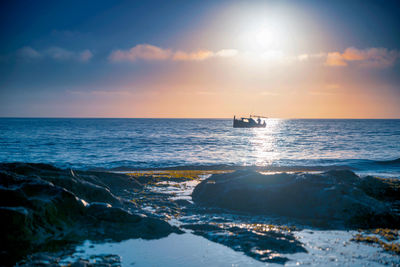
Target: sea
[365, 146]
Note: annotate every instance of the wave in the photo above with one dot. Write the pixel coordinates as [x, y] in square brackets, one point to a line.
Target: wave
[395, 162]
[269, 168]
[289, 166]
[362, 166]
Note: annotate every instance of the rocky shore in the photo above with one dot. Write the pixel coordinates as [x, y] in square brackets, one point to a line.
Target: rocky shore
[45, 208]
[48, 211]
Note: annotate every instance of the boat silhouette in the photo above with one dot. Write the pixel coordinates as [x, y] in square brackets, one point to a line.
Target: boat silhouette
[249, 122]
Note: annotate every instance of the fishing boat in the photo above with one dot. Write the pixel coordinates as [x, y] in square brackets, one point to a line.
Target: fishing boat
[249, 122]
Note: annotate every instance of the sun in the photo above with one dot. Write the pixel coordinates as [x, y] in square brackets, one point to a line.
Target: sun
[266, 34]
[267, 37]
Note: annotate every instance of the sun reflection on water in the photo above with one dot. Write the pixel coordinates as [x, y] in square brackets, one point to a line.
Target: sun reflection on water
[264, 143]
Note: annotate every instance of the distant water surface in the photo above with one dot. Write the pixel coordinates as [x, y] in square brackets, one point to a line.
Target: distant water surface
[366, 145]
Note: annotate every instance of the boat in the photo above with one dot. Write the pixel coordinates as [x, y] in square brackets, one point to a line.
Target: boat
[249, 122]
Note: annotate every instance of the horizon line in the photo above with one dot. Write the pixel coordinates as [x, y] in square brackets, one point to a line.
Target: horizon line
[201, 118]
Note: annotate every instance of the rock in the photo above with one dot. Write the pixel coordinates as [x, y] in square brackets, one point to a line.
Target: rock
[382, 189]
[91, 186]
[123, 224]
[34, 211]
[44, 207]
[80, 263]
[56, 259]
[331, 199]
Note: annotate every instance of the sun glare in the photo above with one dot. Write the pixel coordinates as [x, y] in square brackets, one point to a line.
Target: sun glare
[267, 37]
[264, 36]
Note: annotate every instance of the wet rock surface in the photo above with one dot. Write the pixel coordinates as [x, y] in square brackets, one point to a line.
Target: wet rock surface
[45, 208]
[334, 199]
[265, 243]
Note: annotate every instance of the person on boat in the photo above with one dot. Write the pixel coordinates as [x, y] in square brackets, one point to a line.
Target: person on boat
[259, 121]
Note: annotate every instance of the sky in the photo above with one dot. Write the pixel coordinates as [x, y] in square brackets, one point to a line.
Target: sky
[200, 59]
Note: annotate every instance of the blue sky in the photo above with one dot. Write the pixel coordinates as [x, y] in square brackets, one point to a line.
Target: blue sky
[180, 58]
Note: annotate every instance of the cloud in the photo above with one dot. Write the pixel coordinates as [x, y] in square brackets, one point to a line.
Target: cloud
[203, 54]
[370, 57]
[227, 53]
[199, 55]
[335, 59]
[152, 53]
[308, 57]
[141, 51]
[62, 54]
[85, 55]
[56, 53]
[59, 53]
[28, 52]
[351, 54]
[303, 57]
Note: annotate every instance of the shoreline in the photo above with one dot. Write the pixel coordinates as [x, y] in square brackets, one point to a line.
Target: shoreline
[166, 200]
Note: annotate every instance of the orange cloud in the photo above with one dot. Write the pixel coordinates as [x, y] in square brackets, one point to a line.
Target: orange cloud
[351, 54]
[335, 59]
[371, 57]
[151, 52]
[204, 54]
[199, 55]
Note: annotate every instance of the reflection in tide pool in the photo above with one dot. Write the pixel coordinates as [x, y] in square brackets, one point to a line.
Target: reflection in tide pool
[324, 248]
[174, 250]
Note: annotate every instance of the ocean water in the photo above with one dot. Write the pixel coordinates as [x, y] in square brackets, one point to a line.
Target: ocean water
[367, 146]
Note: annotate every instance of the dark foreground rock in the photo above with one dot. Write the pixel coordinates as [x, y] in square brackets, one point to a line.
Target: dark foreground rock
[45, 208]
[56, 259]
[334, 199]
